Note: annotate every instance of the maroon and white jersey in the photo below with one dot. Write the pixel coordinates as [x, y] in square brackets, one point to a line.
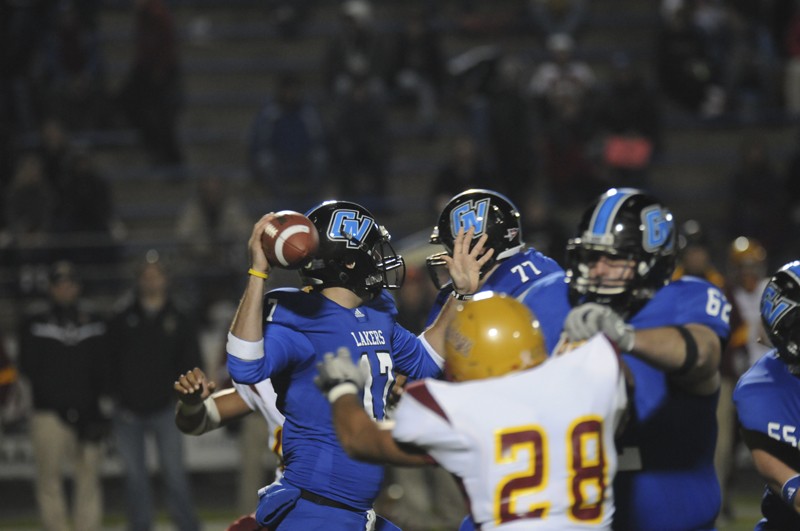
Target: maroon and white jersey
[261, 397]
[532, 449]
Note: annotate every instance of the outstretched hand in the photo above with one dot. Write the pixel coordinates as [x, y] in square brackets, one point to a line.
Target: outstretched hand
[338, 375]
[586, 320]
[193, 387]
[466, 263]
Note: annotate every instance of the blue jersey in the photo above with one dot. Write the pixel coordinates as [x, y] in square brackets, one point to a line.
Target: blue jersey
[299, 329]
[666, 479]
[513, 277]
[767, 399]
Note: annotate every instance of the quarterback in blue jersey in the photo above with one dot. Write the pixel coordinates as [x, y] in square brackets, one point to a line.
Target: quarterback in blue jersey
[283, 334]
[513, 268]
[617, 281]
[767, 400]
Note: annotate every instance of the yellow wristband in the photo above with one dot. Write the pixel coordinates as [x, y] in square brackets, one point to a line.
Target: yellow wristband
[259, 274]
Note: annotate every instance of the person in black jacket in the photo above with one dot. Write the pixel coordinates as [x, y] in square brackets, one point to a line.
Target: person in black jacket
[152, 340]
[60, 354]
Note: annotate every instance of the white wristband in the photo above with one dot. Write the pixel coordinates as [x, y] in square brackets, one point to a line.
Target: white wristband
[188, 410]
[344, 388]
[211, 419]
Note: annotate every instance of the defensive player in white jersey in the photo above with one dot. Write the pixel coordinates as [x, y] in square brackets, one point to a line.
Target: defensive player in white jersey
[202, 408]
[531, 441]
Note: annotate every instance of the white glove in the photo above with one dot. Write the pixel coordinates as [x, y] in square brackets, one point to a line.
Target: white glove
[338, 375]
[586, 320]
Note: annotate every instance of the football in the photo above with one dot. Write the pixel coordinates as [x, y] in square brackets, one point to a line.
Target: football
[289, 239]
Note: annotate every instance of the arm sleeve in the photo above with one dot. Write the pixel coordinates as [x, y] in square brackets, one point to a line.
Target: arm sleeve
[282, 347]
[413, 356]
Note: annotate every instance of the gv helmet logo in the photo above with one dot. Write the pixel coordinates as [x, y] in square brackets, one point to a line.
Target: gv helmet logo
[349, 226]
[469, 214]
[658, 229]
[773, 306]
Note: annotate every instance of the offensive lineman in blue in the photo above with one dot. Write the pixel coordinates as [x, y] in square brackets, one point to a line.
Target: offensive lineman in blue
[767, 399]
[513, 268]
[283, 334]
[671, 334]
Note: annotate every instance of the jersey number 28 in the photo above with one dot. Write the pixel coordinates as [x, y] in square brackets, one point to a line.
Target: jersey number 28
[585, 463]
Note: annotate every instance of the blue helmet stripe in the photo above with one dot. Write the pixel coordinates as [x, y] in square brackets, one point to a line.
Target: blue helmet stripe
[604, 213]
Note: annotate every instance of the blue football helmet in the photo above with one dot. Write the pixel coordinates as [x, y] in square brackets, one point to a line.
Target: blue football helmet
[780, 313]
[354, 251]
[626, 224]
[490, 213]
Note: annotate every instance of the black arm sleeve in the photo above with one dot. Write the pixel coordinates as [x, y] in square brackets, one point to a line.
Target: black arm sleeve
[756, 440]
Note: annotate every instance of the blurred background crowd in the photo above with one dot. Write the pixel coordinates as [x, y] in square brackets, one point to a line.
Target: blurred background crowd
[172, 125]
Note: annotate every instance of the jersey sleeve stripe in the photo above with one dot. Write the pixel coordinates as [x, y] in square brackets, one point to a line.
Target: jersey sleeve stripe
[420, 392]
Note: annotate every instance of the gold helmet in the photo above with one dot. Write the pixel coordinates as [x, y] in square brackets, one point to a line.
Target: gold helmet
[747, 251]
[492, 335]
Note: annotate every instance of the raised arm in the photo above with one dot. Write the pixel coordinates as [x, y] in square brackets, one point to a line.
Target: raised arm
[200, 409]
[247, 324]
[465, 271]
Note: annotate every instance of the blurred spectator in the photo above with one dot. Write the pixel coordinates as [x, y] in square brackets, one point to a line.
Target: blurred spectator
[152, 93]
[751, 66]
[289, 16]
[629, 123]
[212, 221]
[288, 149]
[790, 188]
[464, 169]
[361, 145]
[23, 26]
[356, 52]
[542, 229]
[757, 201]
[210, 227]
[73, 76]
[418, 68]
[695, 259]
[791, 48]
[26, 242]
[509, 129]
[685, 72]
[55, 149]
[9, 379]
[550, 17]
[562, 88]
[85, 218]
[61, 354]
[154, 339]
[747, 271]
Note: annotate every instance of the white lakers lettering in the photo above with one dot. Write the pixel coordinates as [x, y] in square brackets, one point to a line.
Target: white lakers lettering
[368, 338]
